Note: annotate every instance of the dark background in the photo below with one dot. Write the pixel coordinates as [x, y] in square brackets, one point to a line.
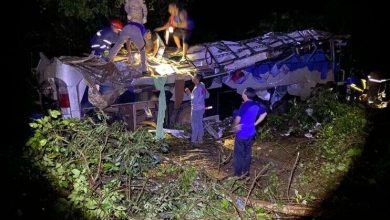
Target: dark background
[365, 191]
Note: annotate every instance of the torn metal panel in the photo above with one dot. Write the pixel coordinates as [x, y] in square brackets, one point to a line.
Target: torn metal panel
[294, 60]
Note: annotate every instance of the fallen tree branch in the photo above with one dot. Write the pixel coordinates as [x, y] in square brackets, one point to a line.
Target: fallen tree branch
[171, 161]
[237, 210]
[99, 166]
[227, 159]
[285, 209]
[219, 161]
[129, 188]
[291, 176]
[142, 191]
[234, 182]
[257, 177]
[87, 166]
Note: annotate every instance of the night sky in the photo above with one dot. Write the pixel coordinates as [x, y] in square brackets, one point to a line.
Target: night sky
[364, 21]
[223, 20]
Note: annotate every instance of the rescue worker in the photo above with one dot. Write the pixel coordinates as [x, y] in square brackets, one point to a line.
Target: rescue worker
[104, 38]
[131, 32]
[136, 11]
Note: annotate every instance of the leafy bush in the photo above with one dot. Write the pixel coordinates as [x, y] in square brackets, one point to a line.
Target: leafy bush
[91, 161]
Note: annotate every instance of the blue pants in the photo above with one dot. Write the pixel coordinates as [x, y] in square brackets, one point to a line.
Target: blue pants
[242, 156]
[197, 126]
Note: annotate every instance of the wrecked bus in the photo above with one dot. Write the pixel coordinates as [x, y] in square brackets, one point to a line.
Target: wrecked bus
[274, 64]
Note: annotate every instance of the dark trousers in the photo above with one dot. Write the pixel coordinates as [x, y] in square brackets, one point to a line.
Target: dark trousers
[242, 155]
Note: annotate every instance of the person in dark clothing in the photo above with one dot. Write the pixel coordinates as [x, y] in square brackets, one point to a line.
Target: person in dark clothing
[249, 116]
[104, 38]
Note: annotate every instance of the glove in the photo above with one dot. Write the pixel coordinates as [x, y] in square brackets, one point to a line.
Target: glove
[106, 53]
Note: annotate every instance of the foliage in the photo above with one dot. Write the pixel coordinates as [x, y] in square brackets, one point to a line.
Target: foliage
[110, 173]
[303, 199]
[339, 141]
[90, 160]
[271, 190]
[321, 109]
[338, 131]
[85, 9]
[269, 130]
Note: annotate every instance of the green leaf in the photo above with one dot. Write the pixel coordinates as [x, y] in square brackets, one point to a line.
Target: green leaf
[354, 152]
[122, 208]
[76, 173]
[341, 167]
[42, 142]
[106, 206]
[45, 119]
[225, 204]
[91, 204]
[30, 141]
[33, 125]
[54, 113]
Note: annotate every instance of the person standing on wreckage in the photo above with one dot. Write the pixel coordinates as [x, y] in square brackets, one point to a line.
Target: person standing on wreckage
[182, 26]
[136, 11]
[134, 31]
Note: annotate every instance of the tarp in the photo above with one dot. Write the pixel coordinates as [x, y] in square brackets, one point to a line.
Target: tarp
[159, 83]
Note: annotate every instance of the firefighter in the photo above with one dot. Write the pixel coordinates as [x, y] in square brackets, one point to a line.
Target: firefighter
[104, 38]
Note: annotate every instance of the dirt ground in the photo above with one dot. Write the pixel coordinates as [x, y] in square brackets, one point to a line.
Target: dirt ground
[216, 159]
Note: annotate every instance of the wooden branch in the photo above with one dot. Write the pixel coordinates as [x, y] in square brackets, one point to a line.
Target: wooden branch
[142, 191]
[234, 182]
[219, 161]
[237, 210]
[171, 161]
[227, 159]
[129, 188]
[257, 177]
[100, 158]
[99, 165]
[285, 209]
[86, 164]
[291, 176]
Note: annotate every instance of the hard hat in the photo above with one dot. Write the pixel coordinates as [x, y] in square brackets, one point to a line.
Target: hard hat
[116, 23]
